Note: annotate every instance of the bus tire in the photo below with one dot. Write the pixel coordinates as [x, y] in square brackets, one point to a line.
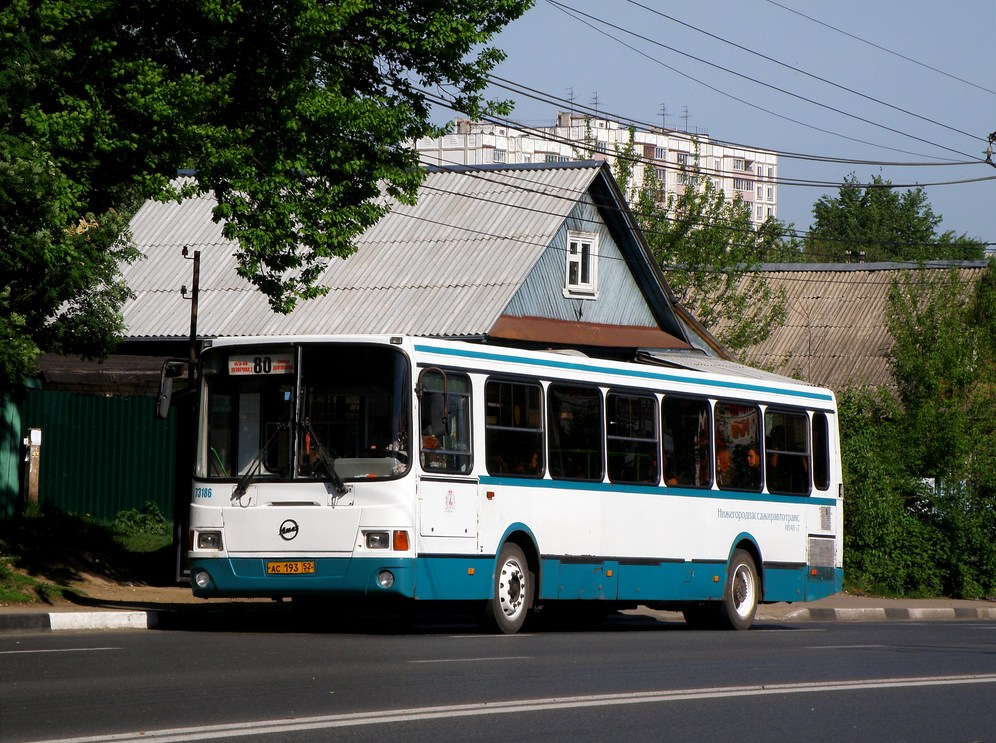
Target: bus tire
[741, 593]
[512, 597]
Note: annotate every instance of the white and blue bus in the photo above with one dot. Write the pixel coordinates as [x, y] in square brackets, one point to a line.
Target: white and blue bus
[433, 470]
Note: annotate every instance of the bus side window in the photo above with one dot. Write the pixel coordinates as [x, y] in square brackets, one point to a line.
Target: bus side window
[786, 451]
[445, 425]
[686, 432]
[821, 451]
[631, 422]
[576, 439]
[513, 428]
[738, 446]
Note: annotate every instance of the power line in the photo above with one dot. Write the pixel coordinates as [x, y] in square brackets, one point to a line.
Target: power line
[882, 48]
[801, 71]
[544, 97]
[572, 11]
[487, 173]
[660, 165]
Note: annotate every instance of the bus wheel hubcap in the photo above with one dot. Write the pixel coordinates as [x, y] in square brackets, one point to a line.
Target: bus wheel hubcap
[511, 588]
[743, 590]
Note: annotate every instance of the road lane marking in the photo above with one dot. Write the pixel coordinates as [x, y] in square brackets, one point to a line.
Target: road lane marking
[354, 719]
[471, 660]
[55, 650]
[516, 636]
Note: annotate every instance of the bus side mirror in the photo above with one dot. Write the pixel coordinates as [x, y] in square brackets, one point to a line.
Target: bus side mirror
[171, 368]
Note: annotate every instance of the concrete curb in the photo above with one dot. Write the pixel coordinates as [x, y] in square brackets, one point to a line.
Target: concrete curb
[77, 620]
[880, 614]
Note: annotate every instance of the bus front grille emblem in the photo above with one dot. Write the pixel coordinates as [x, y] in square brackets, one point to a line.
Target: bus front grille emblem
[288, 530]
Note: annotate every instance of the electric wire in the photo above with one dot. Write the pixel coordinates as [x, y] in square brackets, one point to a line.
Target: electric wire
[799, 70]
[882, 48]
[574, 13]
[800, 235]
[539, 133]
[544, 97]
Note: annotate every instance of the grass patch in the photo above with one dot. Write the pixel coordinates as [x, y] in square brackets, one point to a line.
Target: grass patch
[42, 555]
[15, 588]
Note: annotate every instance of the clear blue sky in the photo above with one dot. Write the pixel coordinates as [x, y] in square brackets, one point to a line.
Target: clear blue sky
[872, 105]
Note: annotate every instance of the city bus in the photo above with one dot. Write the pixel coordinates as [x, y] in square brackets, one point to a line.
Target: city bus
[429, 470]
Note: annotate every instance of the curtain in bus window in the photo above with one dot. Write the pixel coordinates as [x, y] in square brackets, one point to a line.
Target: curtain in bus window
[786, 451]
[738, 446]
[576, 439]
[632, 438]
[513, 428]
[685, 425]
[445, 423]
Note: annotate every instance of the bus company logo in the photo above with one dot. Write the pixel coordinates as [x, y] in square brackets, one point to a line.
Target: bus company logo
[289, 530]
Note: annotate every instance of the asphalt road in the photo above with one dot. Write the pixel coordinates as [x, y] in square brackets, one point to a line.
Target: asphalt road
[636, 680]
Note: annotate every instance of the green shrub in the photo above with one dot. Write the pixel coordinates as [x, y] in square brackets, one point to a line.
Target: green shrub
[148, 520]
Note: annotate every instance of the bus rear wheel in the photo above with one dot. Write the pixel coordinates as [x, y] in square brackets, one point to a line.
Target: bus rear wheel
[741, 593]
[513, 592]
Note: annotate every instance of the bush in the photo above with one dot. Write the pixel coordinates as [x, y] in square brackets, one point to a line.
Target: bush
[148, 520]
[902, 535]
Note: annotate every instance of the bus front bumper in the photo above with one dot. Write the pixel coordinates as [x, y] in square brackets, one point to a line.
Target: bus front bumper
[263, 577]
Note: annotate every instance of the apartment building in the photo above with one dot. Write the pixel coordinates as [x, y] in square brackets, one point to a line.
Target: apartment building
[752, 173]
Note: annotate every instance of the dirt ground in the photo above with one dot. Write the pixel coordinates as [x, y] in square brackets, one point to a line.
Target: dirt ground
[94, 591]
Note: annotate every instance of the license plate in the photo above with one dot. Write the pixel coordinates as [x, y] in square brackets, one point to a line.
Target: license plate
[293, 567]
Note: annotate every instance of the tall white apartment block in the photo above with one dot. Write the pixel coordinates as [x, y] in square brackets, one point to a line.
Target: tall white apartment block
[752, 173]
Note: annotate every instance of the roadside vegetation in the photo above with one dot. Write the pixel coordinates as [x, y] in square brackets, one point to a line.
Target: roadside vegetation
[43, 555]
[920, 459]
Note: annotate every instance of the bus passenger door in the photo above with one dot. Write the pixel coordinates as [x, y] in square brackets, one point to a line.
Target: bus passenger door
[448, 507]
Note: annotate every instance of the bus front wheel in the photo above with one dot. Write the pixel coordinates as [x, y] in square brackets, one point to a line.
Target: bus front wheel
[513, 592]
[741, 592]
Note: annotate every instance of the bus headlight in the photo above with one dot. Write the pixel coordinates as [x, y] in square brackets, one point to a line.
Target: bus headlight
[202, 579]
[209, 540]
[378, 540]
[385, 579]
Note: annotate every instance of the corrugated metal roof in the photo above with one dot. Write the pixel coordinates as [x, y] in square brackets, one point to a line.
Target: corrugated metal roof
[835, 332]
[446, 266]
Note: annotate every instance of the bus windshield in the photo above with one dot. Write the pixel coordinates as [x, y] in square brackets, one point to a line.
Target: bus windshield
[294, 412]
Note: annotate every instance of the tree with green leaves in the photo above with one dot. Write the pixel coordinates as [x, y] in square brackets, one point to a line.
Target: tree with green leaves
[878, 223]
[708, 248]
[920, 463]
[293, 115]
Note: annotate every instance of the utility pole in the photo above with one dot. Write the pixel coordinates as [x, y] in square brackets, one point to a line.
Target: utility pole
[194, 292]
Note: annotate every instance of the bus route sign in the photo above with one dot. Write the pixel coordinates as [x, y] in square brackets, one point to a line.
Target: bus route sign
[249, 365]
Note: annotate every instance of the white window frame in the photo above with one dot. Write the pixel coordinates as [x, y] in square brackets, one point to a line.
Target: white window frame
[582, 257]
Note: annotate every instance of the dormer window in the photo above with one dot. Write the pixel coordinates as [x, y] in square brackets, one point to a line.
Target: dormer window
[582, 265]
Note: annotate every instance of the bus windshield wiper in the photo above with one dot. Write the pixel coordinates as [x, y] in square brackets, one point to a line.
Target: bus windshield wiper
[327, 460]
[250, 474]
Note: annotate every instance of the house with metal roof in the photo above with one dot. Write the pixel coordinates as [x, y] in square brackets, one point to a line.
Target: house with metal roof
[543, 255]
[835, 332]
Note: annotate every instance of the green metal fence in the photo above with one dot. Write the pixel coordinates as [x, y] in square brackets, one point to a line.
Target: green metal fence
[10, 454]
[101, 455]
